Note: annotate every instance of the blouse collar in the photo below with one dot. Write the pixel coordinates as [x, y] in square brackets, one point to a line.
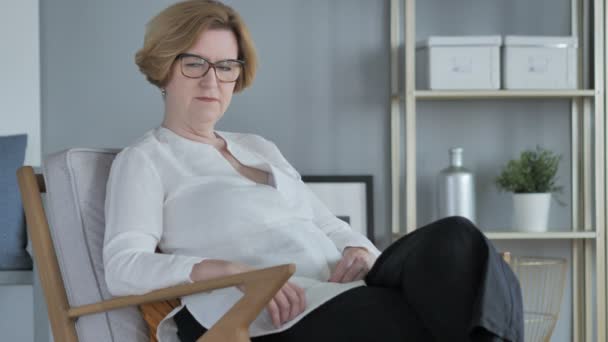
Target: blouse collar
[243, 153]
[240, 151]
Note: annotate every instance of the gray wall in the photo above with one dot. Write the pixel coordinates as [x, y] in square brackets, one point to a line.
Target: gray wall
[321, 93]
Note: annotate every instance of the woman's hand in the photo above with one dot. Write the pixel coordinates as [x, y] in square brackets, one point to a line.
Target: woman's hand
[286, 304]
[354, 265]
[289, 302]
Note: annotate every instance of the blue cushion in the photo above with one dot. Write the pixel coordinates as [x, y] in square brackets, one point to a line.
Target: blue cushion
[13, 240]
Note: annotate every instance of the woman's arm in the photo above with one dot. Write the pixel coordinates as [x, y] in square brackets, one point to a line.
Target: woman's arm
[337, 230]
[134, 226]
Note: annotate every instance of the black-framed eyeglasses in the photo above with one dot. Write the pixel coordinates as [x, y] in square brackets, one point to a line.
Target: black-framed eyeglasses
[194, 66]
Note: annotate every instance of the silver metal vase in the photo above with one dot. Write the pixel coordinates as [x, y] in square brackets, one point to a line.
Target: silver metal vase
[456, 189]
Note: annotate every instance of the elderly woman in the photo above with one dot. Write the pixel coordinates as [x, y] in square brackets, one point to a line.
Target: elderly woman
[218, 203]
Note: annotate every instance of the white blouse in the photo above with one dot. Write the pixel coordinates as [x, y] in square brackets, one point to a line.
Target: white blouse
[185, 198]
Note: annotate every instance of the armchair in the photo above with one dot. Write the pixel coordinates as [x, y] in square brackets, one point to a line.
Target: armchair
[67, 242]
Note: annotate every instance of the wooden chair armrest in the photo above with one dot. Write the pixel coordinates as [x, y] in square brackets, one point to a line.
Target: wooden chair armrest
[259, 287]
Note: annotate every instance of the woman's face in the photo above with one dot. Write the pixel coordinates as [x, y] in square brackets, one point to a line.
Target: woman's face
[196, 104]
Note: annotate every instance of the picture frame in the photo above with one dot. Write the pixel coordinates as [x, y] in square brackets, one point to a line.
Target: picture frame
[350, 198]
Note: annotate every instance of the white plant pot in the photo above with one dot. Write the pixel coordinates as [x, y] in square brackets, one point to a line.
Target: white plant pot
[531, 212]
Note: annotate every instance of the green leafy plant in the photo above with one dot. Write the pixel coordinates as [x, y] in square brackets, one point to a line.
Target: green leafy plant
[534, 172]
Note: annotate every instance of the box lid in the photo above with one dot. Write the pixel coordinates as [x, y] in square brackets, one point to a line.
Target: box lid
[541, 41]
[460, 41]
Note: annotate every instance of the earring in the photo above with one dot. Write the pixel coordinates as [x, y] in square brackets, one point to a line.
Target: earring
[163, 92]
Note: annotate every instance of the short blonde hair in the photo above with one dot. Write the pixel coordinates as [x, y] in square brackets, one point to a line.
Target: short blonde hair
[175, 29]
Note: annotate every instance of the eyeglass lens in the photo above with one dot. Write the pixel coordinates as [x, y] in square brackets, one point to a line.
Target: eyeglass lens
[195, 67]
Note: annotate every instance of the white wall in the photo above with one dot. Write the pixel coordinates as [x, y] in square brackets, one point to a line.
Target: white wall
[20, 73]
[19, 113]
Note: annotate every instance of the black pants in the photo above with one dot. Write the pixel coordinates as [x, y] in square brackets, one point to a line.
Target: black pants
[443, 282]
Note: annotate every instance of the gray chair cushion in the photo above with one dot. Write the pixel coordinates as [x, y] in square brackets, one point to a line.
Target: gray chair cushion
[13, 240]
[76, 188]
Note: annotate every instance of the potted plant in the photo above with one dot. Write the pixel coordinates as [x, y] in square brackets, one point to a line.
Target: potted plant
[532, 179]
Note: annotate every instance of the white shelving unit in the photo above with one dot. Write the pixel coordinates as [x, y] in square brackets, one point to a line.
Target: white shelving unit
[588, 153]
[496, 94]
[501, 94]
[542, 236]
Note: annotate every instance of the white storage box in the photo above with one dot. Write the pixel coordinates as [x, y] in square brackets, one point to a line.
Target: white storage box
[465, 62]
[539, 62]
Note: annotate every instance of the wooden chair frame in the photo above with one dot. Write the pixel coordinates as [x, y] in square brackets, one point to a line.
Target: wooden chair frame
[259, 286]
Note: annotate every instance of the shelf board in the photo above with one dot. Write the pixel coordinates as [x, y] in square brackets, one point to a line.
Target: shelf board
[16, 277]
[532, 236]
[541, 236]
[497, 94]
